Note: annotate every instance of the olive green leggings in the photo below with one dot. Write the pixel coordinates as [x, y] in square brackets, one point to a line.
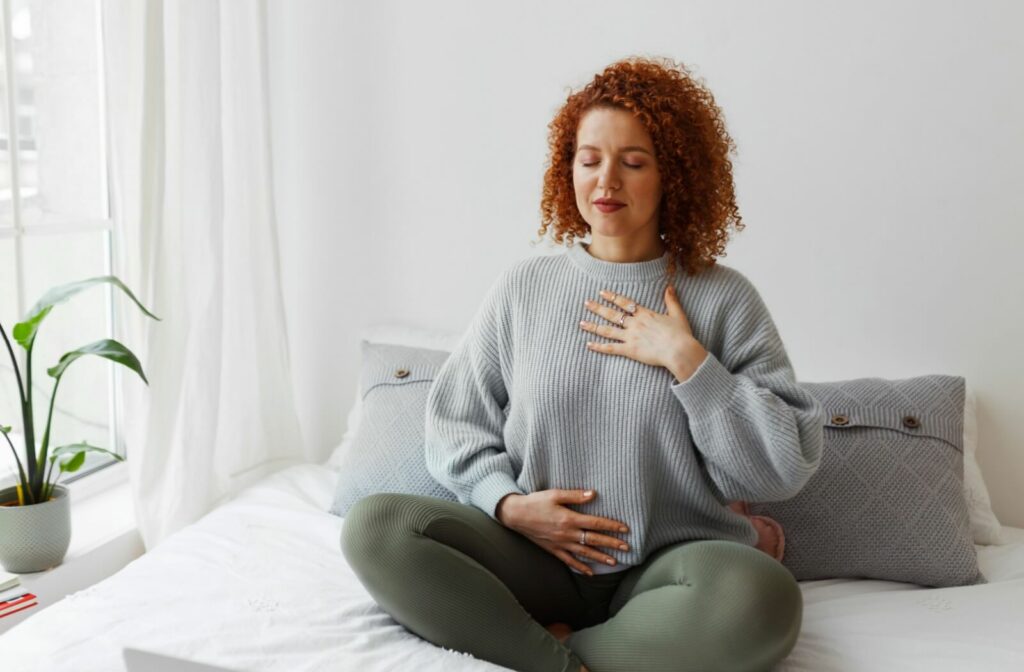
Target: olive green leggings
[454, 576]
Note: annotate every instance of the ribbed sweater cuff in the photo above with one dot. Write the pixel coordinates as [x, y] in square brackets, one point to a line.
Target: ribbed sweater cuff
[490, 489]
[708, 390]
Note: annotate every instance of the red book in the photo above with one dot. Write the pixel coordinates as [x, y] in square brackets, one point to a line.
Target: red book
[14, 604]
[11, 598]
[14, 611]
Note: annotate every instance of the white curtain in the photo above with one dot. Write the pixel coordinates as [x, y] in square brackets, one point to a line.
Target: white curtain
[192, 195]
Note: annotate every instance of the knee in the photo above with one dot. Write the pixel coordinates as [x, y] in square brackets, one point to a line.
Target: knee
[766, 604]
[370, 527]
[760, 585]
[759, 598]
[775, 603]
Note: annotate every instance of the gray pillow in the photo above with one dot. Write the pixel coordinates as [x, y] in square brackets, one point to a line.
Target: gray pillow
[887, 501]
[387, 452]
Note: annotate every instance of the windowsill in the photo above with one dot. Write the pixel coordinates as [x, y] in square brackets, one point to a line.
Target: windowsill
[101, 509]
[104, 538]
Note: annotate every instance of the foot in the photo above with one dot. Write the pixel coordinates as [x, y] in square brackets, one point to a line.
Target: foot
[562, 631]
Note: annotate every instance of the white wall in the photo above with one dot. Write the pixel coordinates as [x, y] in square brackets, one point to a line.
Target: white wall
[880, 173]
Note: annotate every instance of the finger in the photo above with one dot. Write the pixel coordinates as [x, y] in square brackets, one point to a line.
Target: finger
[602, 330]
[611, 314]
[562, 496]
[672, 301]
[593, 554]
[602, 540]
[567, 558]
[587, 522]
[628, 305]
[607, 348]
[607, 313]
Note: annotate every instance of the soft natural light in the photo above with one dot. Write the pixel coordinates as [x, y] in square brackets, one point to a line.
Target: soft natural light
[57, 230]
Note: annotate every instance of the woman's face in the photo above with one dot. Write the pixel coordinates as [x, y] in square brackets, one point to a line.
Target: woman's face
[615, 160]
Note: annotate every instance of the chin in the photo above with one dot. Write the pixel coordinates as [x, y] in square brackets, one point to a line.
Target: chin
[611, 230]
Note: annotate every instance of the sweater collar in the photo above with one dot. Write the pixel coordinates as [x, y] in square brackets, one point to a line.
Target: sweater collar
[614, 271]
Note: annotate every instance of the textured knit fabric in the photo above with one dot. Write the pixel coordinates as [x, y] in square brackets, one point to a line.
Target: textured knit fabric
[386, 454]
[523, 405]
[887, 501]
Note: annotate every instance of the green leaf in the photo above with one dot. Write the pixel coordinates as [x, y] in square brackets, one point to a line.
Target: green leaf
[74, 463]
[4, 429]
[25, 332]
[80, 448]
[107, 348]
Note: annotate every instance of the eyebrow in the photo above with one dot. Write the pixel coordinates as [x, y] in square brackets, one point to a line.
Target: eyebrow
[631, 148]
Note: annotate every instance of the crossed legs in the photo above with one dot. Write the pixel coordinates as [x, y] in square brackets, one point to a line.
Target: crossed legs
[457, 578]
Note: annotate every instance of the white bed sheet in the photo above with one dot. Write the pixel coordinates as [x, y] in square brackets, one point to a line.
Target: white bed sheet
[261, 584]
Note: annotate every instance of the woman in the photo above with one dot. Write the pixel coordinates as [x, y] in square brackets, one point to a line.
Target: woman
[595, 421]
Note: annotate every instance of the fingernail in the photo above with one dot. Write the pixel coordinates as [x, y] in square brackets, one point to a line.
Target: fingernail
[622, 547]
[588, 493]
[623, 529]
[610, 561]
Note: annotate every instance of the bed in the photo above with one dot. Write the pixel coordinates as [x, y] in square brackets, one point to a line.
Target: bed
[260, 584]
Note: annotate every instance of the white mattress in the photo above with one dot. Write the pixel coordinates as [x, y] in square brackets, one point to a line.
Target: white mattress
[261, 584]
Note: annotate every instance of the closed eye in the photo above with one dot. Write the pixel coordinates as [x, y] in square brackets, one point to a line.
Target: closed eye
[628, 165]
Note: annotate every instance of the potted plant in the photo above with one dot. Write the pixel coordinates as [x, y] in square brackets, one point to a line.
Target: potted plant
[35, 513]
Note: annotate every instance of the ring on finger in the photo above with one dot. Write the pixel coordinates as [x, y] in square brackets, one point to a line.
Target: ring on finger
[583, 537]
[622, 319]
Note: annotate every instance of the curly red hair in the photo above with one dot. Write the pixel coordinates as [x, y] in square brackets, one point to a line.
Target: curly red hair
[692, 149]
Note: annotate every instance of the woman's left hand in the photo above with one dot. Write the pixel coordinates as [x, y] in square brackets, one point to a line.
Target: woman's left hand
[650, 337]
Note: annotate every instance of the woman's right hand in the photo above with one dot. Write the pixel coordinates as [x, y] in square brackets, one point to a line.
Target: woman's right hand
[541, 517]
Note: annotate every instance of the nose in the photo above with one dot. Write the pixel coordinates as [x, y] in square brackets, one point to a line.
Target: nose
[608, 178]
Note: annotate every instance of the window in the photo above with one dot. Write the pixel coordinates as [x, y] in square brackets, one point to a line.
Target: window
[54, 221]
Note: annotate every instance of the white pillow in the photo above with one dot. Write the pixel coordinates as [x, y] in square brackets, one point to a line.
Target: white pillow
[985, 527]
[394, 334]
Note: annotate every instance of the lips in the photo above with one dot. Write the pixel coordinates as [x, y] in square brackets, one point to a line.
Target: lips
[607, 201]
[608, 207]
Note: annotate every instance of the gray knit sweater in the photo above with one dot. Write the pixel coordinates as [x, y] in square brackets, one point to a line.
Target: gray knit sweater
[523, 405]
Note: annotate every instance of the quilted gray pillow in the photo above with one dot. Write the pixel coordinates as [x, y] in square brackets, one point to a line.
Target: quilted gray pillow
[887, 501]
[387, 452]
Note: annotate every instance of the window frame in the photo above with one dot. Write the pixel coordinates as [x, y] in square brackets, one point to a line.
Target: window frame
[17, 231]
